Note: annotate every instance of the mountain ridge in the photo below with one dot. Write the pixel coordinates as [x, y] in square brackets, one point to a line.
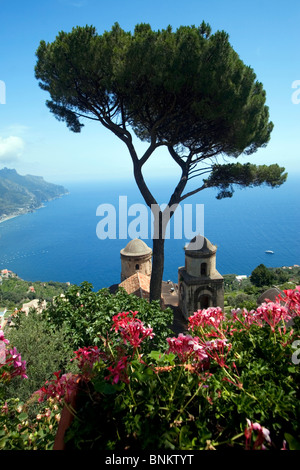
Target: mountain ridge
[21, 194]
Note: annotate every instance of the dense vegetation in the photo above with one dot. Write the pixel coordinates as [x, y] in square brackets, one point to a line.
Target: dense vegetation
[254, 379]
[20, 194]
[47, 342]
[238, 293]
[44, 351]
[230, 382]
[14, 292]
[81, 317]
[244, 293]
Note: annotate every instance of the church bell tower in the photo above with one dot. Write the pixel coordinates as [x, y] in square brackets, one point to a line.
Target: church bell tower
[200, 285]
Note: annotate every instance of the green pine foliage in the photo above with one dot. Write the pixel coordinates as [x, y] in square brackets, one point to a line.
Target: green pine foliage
[184, 90]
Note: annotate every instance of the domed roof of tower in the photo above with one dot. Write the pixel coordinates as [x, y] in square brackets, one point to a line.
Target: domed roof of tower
[136, 247]
[269, 295]
[200, 244]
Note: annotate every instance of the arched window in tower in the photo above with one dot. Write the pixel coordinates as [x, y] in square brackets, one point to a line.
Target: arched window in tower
[137, 266]
[204, 301]
[203, 269]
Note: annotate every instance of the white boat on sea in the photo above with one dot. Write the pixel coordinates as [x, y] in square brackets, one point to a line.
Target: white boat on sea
[269, 252]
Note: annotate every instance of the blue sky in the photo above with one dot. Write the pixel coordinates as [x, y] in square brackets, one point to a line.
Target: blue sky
[265, 34]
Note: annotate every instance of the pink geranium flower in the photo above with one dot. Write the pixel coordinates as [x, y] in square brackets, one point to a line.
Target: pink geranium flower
[218, 350]
[118, 372]
[11, 361]
[273, 313]
[291, 298]
[86, 358]
[61, 388]
[2, 338]
[188, 349]
[212, 316]
[131, 329]
[246, 318]
[263, 434]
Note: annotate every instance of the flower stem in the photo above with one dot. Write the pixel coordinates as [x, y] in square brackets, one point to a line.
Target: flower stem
[131, 393]
[215, 444]
[176, 383]
[187, 403]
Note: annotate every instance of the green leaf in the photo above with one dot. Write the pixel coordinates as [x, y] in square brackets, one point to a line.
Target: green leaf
[3, 442]
[23, 416]
[157, 355]
[105, 388]
[292, 442]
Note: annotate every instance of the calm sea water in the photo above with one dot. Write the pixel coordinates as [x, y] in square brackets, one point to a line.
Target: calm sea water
[59, 242]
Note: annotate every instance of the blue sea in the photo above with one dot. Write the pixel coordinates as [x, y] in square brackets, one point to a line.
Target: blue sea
[59, 241]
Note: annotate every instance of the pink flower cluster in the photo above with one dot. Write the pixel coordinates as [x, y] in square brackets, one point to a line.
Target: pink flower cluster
[212, 316]
[197, 351]
[273, 313]
[118, 372]
[10, 361]
[262, 436]
[61, 388]
[216, 350]
[86, 358]
[188, 349]
[2, 338]
[131, 329]
[245, 318]
[291, 298]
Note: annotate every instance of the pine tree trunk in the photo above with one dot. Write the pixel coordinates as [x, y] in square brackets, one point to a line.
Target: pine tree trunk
[157, 269]
[158, 253]
[160, 222]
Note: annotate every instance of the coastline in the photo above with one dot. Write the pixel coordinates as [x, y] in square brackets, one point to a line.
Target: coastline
[20, 212]
[4, 219]
[25, 211]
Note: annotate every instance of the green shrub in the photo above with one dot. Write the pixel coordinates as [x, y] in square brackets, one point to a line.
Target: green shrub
[44, 351]
[87, 315]
[233, 382]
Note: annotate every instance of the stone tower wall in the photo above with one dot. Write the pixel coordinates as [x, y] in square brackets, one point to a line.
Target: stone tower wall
[200, 285]
[131, 265]
[193, 265]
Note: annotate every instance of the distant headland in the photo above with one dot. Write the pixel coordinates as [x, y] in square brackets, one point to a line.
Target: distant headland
[22, 194]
